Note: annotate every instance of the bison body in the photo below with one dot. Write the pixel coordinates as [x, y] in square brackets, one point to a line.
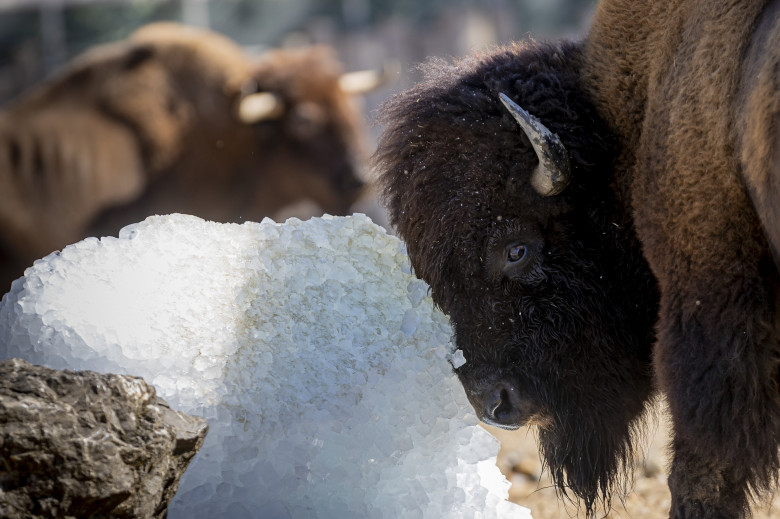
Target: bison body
[652, 268]
[158, 124]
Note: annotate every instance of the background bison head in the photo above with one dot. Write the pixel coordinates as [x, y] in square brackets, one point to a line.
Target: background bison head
[175, 119]
[551, 301]
[224, 158]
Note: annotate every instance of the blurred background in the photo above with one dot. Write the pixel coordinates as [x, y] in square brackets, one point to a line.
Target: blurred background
[36, 36]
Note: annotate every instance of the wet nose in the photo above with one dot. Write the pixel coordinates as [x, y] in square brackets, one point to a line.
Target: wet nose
[503, 407]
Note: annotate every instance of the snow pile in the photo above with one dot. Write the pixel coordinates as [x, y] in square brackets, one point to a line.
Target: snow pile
[317, 358]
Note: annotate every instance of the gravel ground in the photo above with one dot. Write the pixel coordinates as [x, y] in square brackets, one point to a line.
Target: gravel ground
[649, 498]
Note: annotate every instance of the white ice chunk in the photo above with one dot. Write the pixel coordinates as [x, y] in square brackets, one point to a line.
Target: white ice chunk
[457, 359]
[318, 359]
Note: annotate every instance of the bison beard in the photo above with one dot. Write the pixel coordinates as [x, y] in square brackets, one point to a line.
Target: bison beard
[593, 465]
[588, 444]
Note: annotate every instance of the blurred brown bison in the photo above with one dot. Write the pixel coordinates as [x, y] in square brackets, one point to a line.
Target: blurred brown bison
[174, 119]
[600, 219]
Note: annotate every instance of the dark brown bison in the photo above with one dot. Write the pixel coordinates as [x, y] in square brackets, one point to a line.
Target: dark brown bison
[598, 219]
[174, 119]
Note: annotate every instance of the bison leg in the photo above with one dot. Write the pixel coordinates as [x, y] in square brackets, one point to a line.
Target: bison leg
[702, 486]
[717, 362]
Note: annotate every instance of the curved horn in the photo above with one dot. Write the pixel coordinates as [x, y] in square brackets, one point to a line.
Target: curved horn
[553, 173]
[364, 81]
[261, 106]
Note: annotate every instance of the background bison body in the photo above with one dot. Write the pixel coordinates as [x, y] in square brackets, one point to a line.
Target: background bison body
[157, 124]
[666, 229]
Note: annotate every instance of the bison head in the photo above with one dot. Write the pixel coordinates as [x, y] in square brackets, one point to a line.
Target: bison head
[514, 223]
[302, 109]
[282, 126]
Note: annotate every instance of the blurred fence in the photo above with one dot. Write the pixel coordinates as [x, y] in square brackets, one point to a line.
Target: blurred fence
[36, 36]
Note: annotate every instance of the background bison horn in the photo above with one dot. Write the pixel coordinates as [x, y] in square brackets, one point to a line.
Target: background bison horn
[260, 106]
[553, 172]
[364, 81]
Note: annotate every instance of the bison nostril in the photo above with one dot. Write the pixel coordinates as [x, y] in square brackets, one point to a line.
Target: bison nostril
[503, 407]
[500, 404]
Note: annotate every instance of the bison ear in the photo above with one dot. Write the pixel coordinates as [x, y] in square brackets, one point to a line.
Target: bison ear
[553, 172]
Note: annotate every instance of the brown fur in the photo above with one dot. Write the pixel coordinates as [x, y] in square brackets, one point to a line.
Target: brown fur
[149, 126]
[692, 89]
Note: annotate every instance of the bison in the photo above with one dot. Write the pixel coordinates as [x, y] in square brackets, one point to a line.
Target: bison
[175, 119]
[600, 221]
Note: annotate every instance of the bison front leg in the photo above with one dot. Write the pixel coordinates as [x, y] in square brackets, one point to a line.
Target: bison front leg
[717, 362]
[703, 486]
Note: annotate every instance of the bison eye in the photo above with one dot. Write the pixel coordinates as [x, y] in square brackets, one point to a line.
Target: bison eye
[513, 254]
[516, 252]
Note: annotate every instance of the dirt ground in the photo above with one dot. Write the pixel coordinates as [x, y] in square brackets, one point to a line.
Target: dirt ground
[649, 498]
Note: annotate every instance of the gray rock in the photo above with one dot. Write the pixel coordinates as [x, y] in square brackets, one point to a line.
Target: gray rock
[84, 444]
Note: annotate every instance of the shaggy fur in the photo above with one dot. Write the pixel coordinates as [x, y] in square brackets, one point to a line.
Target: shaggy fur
[149, 125]
[655, 265]
[700, 121]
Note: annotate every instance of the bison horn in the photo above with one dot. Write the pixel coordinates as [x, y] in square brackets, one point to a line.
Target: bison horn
[261, 106]
[553, 172]
[364, 81]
